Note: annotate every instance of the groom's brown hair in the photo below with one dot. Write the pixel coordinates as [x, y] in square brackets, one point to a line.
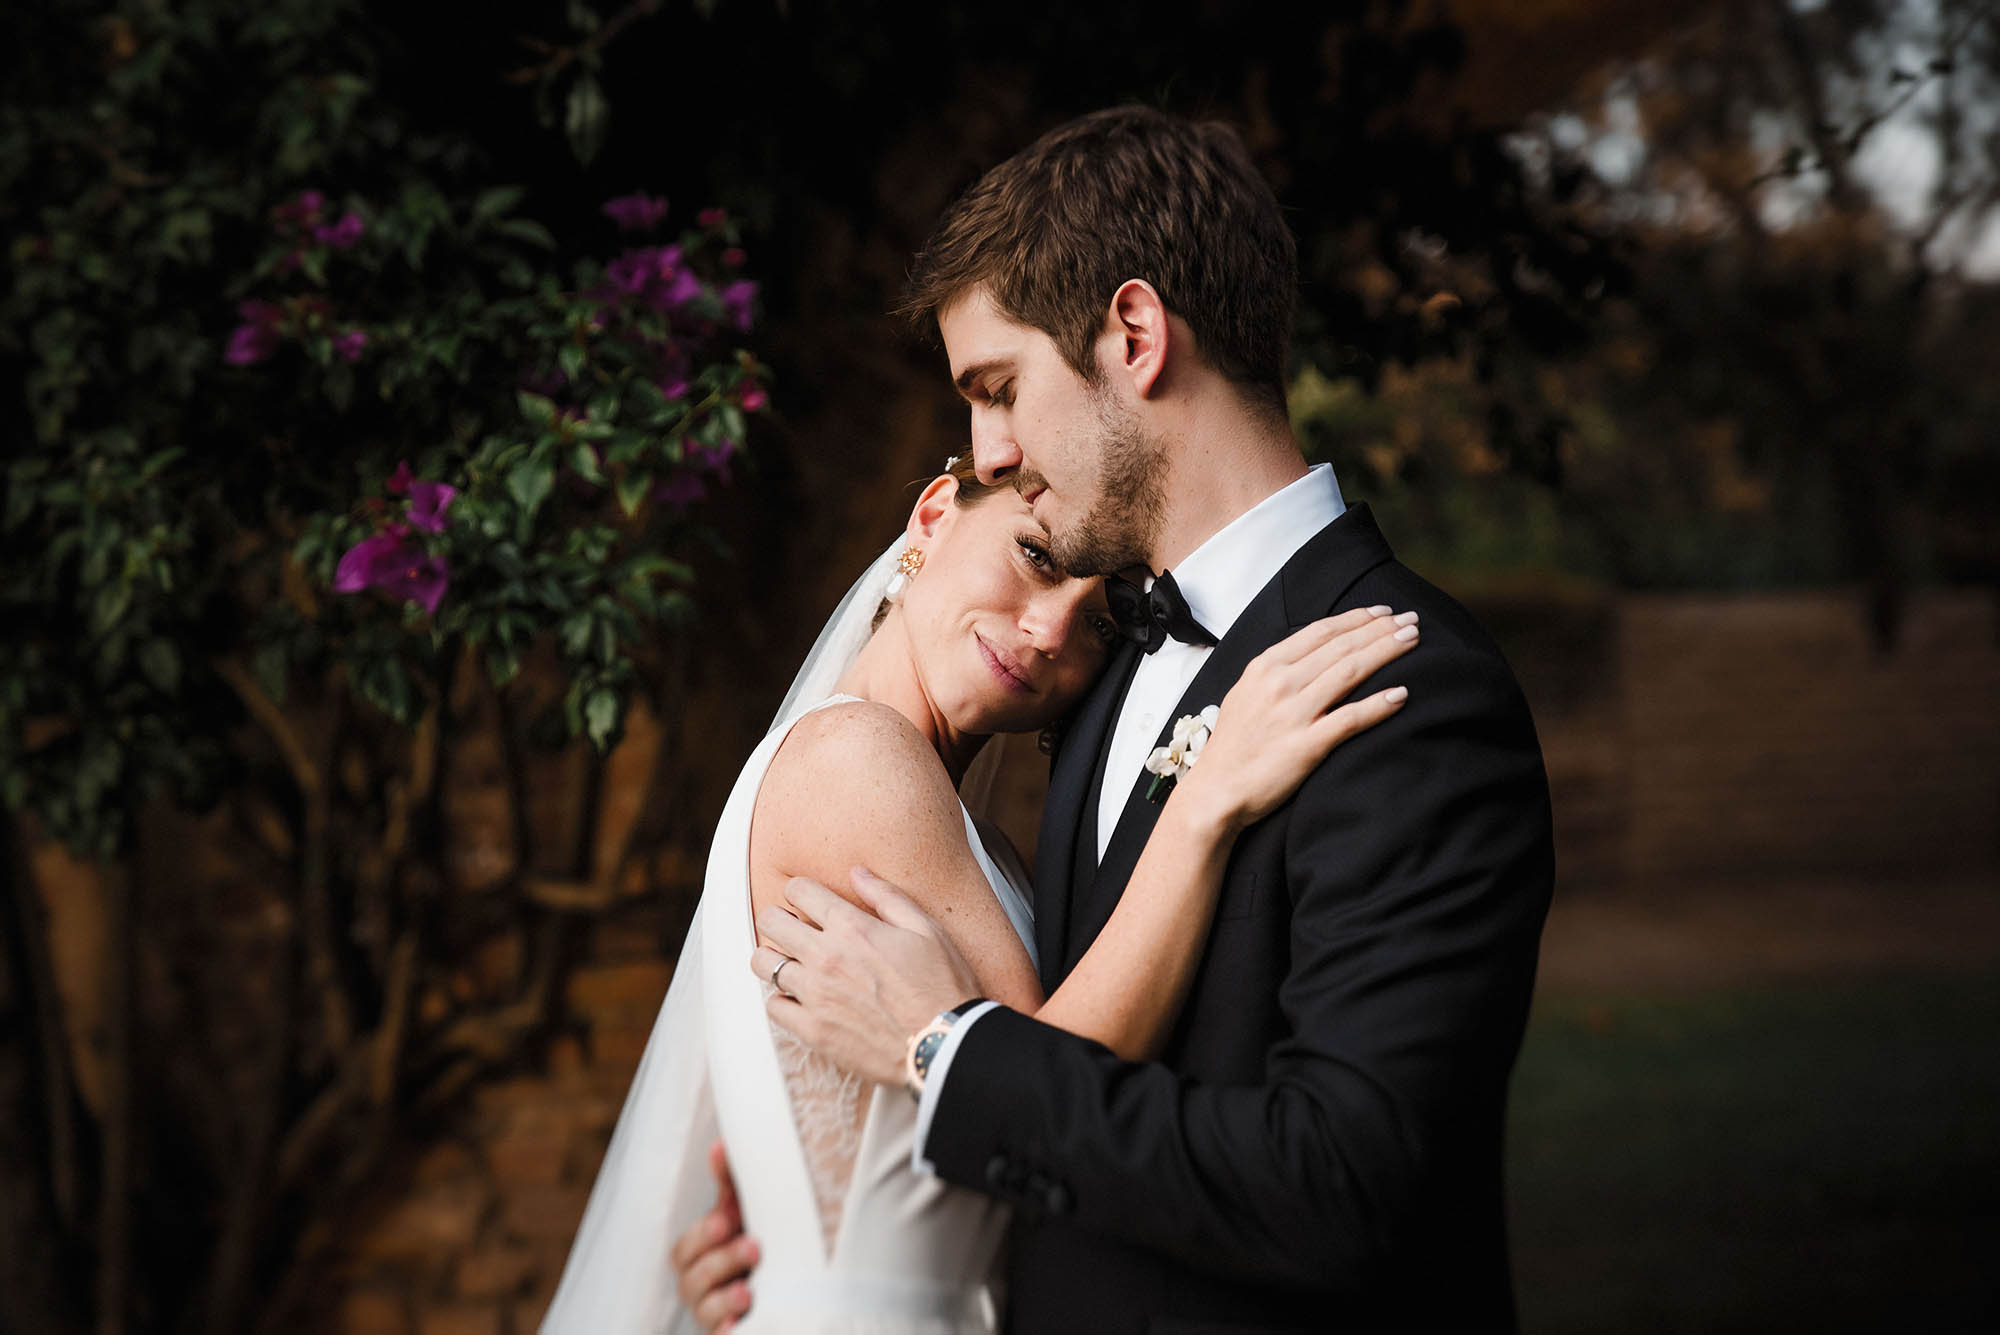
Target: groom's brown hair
[1126, 193]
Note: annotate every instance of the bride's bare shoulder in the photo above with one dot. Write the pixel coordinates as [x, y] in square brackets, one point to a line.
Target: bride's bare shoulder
[850, 773]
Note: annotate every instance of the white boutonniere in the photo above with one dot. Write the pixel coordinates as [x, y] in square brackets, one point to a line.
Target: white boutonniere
[1177, 757]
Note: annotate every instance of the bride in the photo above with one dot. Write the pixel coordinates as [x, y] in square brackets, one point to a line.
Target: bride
[962, 630]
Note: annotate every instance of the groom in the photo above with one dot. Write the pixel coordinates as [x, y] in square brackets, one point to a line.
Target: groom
[1319, 1144]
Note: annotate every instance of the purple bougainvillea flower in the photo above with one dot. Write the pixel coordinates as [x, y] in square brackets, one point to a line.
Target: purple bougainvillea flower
[428, 502]
[711, 217]
[736, 301]
[301, 211]
[657, 275]
[636, 213]
[755, 400]
[259, 334]
[399, 481]
[250, 344]
[348, 346]
[632, 271]
[342, 234]
[734, 257]
[712, 459]
[675, 291]
[680, 491]
[391, 562]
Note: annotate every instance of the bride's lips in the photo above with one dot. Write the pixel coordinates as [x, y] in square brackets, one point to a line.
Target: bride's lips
[1003, 666]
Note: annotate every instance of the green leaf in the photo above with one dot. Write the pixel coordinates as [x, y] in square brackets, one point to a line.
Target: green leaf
[109, 605]
[502, 665]
[540, 411]
[160, 660]
[571, 358]
[600, 714]
[385, 685]
[340, 386]
[529, 482]
[584, 459]
[648, 564]
[585, 116]
[491, 204]
[575, 631]
[268, 665]
[731, 417]
[526, 229]
[632, 489]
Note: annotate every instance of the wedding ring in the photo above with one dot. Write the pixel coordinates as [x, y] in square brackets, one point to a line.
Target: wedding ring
[780, 969]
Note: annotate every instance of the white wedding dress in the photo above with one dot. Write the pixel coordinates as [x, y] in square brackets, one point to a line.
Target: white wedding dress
[896, 1252]
[853, 1239]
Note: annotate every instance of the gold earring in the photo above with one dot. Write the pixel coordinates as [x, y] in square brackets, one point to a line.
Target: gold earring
[908, 564]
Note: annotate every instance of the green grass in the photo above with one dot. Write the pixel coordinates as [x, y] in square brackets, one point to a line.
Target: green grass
[1798, 1157]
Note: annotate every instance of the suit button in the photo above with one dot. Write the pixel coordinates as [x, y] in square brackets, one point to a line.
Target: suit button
[1056, 1198]
[999, 1173]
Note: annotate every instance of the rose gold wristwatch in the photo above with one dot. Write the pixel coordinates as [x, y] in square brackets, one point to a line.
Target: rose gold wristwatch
[924, 1045]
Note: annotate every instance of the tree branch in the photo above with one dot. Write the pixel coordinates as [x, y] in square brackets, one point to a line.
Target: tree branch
[563, 56]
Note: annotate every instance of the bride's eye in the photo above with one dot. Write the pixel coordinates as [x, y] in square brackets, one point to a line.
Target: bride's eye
[1106, 629]
[1003, 396]
[1038, 555]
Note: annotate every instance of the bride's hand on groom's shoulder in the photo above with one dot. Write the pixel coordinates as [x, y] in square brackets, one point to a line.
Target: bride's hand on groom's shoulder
[712, 1261]
[1280, 718]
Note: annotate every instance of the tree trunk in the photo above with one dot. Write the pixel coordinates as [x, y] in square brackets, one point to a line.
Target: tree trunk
[32, 1299]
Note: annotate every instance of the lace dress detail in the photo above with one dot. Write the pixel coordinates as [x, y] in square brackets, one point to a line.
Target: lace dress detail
[829, 1109]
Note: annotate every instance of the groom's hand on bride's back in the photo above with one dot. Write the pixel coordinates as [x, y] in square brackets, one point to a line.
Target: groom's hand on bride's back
[713, 1259]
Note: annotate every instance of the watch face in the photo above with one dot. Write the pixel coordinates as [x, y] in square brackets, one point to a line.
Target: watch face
[927, 1048]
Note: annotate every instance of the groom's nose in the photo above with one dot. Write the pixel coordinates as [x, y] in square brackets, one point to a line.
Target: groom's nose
[994, 454]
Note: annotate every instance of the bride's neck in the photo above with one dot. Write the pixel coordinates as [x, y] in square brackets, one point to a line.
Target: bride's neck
[886, 672]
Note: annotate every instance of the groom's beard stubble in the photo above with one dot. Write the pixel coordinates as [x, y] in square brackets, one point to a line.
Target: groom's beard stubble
[1121, 527]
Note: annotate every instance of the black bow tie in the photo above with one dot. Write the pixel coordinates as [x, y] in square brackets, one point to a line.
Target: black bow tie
[1148, 616]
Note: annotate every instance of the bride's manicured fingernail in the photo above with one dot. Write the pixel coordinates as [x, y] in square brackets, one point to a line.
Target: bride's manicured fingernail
[1380, 610]
[1395, 695]
[1406, 633]
[1406, 618]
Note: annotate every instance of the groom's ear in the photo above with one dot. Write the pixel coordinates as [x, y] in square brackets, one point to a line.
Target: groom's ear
[1140, 334]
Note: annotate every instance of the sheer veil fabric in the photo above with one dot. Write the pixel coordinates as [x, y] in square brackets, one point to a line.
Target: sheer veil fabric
[654, 1181]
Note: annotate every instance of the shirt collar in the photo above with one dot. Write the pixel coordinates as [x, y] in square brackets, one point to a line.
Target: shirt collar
[1220, 577]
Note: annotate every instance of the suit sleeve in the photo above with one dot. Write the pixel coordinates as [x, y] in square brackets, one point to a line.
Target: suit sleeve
[1418, 860]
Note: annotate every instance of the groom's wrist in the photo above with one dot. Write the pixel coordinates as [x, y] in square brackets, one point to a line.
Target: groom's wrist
[922, 1049]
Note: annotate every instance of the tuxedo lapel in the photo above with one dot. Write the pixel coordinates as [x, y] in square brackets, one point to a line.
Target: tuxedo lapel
[1066, 851]
[1308, 587]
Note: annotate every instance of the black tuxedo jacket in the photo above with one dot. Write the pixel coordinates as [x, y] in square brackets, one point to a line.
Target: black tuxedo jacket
[1319, 1146]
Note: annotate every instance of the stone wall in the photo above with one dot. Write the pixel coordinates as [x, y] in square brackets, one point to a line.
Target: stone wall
[1767, 735]
[467, 1232]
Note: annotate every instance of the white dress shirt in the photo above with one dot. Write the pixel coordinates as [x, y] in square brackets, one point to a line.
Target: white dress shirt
[1218, 579]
